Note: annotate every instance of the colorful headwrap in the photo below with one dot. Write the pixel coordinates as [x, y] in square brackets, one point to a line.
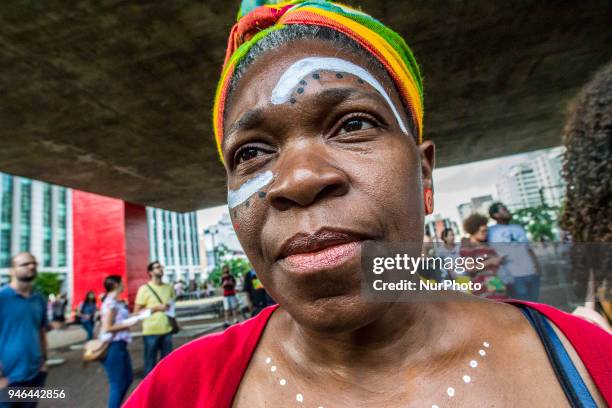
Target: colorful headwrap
[258, 18]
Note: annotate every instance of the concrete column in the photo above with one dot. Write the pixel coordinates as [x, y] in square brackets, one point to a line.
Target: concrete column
[109, 238]
[15, 233]
[36, 221]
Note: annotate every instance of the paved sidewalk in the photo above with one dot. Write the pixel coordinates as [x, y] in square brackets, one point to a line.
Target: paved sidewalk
[74, 334]
[65, 337]
[87, 386]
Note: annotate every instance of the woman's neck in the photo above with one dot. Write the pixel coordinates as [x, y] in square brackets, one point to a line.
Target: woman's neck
[397, 336]
[475, 242]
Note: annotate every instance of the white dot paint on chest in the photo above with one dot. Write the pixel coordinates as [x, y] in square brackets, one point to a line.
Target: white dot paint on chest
[248, 188]
[300, 69]
[450, 391]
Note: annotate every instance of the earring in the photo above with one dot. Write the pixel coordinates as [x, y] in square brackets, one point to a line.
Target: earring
[428, 196]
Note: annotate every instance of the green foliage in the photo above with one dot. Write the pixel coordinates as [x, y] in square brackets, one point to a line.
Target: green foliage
[539, 222]
[47, 283]
[238, 267]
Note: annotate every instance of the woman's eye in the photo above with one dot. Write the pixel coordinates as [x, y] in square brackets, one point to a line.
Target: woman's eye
[354, 125]
[247, 153]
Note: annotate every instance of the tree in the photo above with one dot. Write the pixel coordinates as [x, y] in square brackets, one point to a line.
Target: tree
[238, 267]
[539, 222]
[48, 283]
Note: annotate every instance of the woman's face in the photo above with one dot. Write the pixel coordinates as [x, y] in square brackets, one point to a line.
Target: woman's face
[317, 175]
[481, 234]
[450, 238]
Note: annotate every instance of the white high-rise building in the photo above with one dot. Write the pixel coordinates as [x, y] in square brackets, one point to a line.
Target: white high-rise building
[221, 234]
[173, 241]
[36, 217]
[534, 182]
[519, 187]
[548, 172]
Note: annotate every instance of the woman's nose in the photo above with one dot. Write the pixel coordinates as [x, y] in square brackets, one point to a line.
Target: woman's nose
[306, 176]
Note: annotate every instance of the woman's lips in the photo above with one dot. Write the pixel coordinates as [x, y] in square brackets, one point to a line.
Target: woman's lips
[328, 258]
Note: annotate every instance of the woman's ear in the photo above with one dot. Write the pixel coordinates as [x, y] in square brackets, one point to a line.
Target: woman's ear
[428, 157]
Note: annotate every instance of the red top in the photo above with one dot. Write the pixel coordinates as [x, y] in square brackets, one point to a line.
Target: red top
[206, 372]
[229, 284]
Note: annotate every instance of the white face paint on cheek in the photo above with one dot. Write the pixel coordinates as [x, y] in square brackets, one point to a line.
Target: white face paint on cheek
[250, 187]
[300, 69]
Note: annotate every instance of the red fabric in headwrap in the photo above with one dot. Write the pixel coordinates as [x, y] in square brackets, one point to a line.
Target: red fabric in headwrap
[249, 25]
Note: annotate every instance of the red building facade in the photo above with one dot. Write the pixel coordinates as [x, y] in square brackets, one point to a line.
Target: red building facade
[110, 238]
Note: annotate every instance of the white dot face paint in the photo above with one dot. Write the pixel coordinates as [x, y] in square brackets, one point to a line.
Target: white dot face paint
[467, 379]
[486, 344]
[268, 360]
[300, 69]
[283, 381]
[273, 368]
[450, 391]
[248, 188]
[482, 352]
[299, 398]
[473, 364]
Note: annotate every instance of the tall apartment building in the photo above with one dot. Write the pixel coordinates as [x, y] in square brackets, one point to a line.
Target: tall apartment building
[534, 182]
[519, 187]
[36, 217]
[173, 241]
[548, 168]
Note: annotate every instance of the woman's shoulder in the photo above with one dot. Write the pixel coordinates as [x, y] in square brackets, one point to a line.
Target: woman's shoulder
[108, 303]
[204, 371]
[572, 326]
[588, 345]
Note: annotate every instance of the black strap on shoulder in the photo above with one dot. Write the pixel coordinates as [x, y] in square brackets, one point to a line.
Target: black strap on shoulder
[155, 293]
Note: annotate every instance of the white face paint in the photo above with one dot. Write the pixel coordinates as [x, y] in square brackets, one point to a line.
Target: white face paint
[250, 187]
[300, 69]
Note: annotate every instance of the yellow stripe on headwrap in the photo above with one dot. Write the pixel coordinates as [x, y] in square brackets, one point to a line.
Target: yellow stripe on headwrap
[383, 43]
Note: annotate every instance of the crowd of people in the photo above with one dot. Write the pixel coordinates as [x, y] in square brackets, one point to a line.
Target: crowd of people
[511, 269]
[23, 329]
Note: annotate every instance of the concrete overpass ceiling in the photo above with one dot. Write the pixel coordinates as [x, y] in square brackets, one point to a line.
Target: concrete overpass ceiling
[114, 97]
